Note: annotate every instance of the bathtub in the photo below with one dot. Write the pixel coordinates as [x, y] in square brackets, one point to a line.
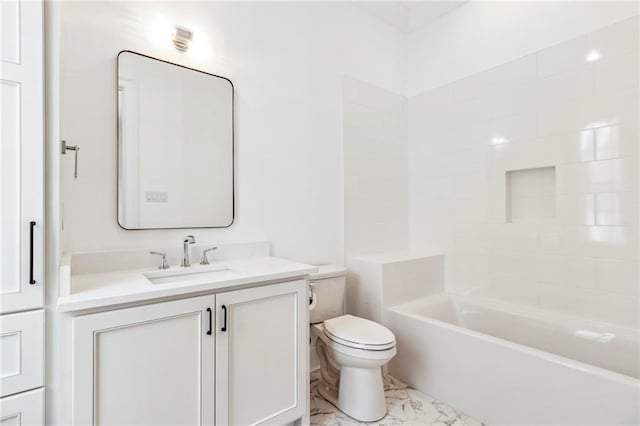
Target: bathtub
[510, 365]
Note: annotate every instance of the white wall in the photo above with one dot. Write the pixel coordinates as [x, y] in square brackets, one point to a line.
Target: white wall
[375, 169]
[551, 108]
[482, 34]
[286, 60]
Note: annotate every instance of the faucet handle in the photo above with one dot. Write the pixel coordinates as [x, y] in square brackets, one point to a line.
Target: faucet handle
[204, 260]
[164, 264]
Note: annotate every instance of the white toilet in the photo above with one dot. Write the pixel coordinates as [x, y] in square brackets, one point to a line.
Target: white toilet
[351, 350]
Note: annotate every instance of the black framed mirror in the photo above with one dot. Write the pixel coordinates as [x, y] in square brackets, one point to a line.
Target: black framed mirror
[175, 145]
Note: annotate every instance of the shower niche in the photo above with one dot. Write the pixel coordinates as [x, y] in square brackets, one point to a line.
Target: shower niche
[531, 195]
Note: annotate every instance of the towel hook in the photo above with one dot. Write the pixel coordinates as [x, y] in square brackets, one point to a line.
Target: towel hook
[75, 149]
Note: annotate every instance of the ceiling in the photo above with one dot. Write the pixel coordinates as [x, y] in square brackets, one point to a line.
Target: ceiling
[407, 16]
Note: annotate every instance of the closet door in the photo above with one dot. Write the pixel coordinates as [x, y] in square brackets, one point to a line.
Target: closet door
[21, 155]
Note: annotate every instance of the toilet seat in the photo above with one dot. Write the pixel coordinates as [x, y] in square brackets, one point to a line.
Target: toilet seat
[359, 333]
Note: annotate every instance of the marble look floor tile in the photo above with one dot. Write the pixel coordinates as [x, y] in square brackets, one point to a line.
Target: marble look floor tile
[405, 406]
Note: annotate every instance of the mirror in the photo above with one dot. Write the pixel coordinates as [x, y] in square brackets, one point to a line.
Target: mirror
[175, 146]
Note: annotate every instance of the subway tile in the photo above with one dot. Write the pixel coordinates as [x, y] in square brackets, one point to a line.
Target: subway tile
[576, 209]
[467, 267]
[471, 236]
[521, 290]
[616, 141]
[473, 209]
[511, 100]
[472, 110]
[617, 39]
[574, 84]
[564, 116]
[617, 74]
[590, 304]
[610, 109]
[540, 209]
[512, 264]
[616, 209]
[611, 41]
[597, 176]
[473, 87]
[572, 271]
[473, 135]
[515, 73]
[467, 185]
[521, 237]
[613, 242]
[562, 57]
[572, 147]
[513, 128]
[618, 276]
[552, 240]
[526, 154]
[587, 113]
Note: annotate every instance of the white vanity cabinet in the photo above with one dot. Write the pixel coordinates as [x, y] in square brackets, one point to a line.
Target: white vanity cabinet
[175, 363]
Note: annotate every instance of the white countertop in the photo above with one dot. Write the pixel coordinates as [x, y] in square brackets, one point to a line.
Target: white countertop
[98, 290]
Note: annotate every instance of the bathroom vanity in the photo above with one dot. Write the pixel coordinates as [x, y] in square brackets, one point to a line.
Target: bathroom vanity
[181, 345]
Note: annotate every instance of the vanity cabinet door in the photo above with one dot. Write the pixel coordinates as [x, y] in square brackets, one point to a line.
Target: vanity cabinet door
[148, 365]
[261, 355]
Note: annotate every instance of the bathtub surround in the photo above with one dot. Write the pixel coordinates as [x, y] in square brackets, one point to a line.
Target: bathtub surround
[484, 193]
[374, 143]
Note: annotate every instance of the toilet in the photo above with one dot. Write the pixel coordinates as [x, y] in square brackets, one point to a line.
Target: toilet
[351, 350]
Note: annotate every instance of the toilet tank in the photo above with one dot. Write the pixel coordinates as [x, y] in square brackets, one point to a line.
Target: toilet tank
[328, 287]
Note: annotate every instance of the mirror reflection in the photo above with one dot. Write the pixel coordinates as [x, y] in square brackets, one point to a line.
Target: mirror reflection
[175, 145]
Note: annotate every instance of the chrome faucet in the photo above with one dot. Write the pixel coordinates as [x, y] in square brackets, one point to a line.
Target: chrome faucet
[189, 239]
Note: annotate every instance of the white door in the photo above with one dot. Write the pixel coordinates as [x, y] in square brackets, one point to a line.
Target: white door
[261, 356]
[149, 365]
[21, 351]
[23, 409]
[21, 156]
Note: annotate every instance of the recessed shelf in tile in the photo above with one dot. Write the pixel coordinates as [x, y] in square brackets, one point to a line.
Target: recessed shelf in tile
[531, 195]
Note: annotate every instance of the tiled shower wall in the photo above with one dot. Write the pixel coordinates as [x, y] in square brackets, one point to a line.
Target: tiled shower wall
[571, 108]
[375, 169]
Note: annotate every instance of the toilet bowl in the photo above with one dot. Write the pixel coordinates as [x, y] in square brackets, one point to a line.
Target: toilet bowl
[351, 351]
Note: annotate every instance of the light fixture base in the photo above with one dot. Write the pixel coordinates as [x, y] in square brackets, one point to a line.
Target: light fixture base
[181, 38]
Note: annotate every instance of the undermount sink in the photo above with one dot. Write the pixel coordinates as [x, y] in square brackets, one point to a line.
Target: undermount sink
[177, 274]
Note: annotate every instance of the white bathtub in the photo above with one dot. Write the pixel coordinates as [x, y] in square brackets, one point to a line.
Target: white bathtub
[507, 364]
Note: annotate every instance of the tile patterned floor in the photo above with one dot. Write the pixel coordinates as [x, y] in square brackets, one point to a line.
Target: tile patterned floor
[405, 406]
